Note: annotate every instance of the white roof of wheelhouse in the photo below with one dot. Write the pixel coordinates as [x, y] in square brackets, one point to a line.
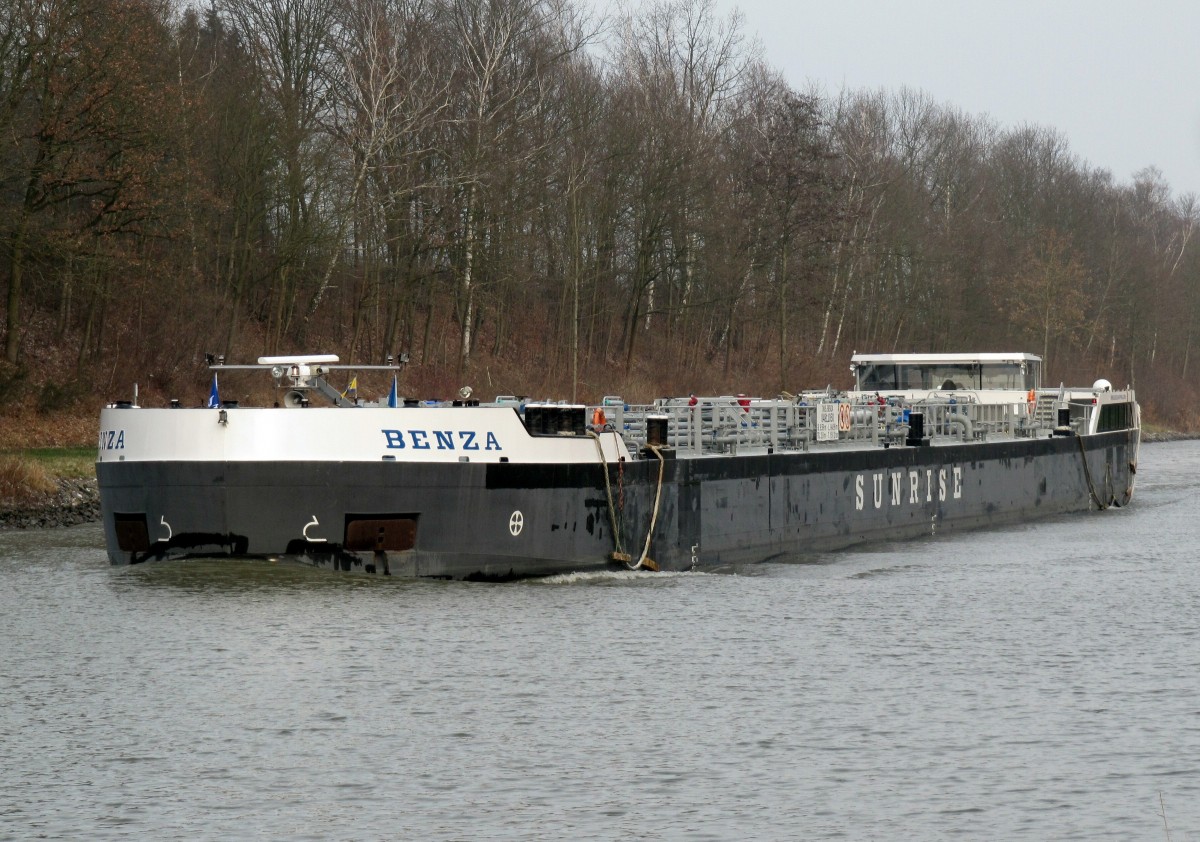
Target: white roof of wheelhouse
[943, 358]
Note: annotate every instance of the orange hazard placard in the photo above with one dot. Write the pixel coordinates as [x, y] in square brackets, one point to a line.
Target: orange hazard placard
[844, 417]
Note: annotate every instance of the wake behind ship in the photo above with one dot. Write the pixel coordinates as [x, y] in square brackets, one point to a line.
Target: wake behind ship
[458, 489]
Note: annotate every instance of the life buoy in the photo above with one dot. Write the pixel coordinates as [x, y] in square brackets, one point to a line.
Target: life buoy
[844, 417]
[598, 419]
[1031, 398]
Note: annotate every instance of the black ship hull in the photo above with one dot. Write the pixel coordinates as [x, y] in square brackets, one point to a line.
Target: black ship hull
[510, 520]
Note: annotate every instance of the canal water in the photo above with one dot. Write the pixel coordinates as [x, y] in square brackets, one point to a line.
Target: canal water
[1035, 682]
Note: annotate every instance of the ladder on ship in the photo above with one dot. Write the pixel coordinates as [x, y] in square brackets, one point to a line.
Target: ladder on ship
[1045, 411]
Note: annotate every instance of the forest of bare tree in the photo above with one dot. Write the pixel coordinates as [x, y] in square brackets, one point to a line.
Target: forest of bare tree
[528, 199]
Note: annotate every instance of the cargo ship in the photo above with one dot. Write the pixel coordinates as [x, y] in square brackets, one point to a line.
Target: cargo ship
[921, 444]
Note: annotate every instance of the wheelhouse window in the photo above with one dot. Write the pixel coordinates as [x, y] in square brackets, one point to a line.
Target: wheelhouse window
[950, 376]
[874, 377]
[912, 377]
[1115, 416]
[1002, 376]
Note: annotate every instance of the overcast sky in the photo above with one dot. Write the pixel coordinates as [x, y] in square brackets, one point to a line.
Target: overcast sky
[1120, 80]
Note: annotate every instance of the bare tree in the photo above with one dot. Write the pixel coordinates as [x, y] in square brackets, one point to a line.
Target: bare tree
[82, 148]
[388, 96]
[680, 66]
[1046, 296]
[504, 52]
[291, 43]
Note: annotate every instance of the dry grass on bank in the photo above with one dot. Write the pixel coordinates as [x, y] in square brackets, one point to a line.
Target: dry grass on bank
[63, 462]
[24, 428]
[23, 481]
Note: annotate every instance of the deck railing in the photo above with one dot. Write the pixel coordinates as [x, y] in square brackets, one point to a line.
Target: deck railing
[730, 425]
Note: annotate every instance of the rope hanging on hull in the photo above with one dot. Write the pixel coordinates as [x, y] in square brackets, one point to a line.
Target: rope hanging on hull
[644, 560]
[619, 554]
[1087, 473]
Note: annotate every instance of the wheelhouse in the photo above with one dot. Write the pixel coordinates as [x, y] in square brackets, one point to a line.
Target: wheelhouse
[946, 372]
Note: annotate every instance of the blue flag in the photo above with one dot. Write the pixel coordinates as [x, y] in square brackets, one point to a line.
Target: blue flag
[214, 399]
[393, 398]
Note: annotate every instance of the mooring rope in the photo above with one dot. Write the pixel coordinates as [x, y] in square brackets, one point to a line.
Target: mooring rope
[644, 561]
[619, 553]
[1087, 473]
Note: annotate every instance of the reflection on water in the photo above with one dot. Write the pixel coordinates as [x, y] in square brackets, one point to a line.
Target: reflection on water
[1036, 682]
[200, 575]
[215, 574]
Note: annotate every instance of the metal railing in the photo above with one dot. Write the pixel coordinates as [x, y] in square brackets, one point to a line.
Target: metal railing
[729, 425]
